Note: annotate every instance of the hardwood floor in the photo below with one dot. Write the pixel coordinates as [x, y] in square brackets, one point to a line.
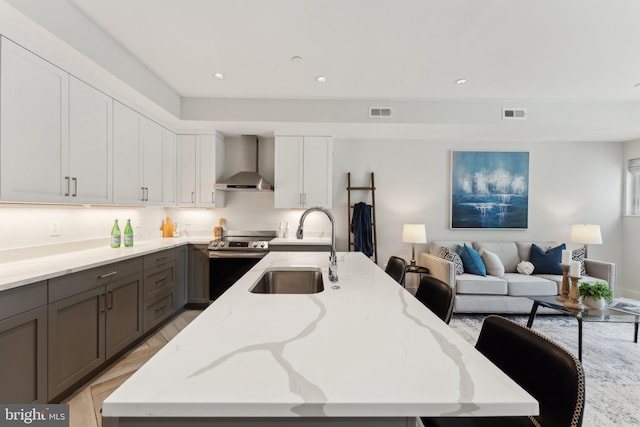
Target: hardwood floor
[85, 404]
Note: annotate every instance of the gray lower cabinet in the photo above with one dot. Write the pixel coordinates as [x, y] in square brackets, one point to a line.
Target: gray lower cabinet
[159, 287]
[93, 315]
[182, 277]
[198, 290]
[23, 344]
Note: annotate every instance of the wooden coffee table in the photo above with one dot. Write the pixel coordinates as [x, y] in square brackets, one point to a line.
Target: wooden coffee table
[587, 315]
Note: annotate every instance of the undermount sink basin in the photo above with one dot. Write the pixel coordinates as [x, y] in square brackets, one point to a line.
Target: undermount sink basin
[293, 280]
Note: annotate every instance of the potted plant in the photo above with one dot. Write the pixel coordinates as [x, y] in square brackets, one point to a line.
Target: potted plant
[595, 294]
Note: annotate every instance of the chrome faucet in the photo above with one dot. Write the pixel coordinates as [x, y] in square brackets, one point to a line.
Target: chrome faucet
[333, 260]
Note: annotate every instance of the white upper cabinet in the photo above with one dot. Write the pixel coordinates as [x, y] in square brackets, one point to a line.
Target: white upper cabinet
[56, 133]
[127, 156]
[90, 144]
[34, 131]
[138, 158]
[152, 140]
[200, 166]
[169, 171]
[303, 171]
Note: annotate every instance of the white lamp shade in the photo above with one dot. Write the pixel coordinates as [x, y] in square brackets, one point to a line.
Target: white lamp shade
[414, 233]
[588, 234]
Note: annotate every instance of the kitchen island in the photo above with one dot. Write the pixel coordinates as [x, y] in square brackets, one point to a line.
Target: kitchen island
[366, 353]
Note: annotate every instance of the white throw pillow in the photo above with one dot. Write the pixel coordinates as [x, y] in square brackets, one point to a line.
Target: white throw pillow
[492, 263]
[525, 267]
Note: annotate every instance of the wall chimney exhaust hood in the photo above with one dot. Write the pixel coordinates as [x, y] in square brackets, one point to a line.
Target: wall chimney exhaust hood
[246, 181]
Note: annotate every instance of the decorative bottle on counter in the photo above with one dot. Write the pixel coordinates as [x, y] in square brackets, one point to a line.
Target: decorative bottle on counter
[128, 235]
[176, 232]
[115, 235]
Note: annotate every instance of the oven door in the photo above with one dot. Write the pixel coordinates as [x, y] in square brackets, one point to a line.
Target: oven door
[226, 267]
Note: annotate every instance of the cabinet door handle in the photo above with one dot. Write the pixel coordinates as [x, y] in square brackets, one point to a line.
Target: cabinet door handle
[193, 197]
[213, 200]
[75, 186]
[142, 197]
[112, 273]
[101, 299]
[66, 178]
[110, 300]
[146, 197]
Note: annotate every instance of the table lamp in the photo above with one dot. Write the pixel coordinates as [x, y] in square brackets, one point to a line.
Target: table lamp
[414, 233]
[586, 234]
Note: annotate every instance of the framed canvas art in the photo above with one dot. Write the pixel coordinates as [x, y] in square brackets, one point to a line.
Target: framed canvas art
[489, 189]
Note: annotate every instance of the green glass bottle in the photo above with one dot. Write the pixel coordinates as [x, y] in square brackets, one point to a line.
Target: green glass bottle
[128, 235]
[115, 235]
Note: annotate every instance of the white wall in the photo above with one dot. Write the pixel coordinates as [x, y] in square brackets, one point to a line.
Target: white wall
[631, 231]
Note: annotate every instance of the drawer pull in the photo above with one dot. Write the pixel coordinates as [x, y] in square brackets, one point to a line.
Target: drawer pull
[161, 308]
[161, 282]
[161, 259]
[113, 273]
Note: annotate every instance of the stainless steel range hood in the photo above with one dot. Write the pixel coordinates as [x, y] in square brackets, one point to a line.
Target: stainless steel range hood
[248, 180]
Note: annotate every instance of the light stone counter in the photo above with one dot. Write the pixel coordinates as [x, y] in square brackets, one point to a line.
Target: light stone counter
[19, 273]
[368, 349]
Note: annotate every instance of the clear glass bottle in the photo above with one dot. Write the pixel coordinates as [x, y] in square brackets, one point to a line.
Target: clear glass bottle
[115, 235]
[128, 234]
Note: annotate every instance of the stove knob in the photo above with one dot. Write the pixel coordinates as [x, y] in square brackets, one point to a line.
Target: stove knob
[214, 244]
[262, 245]
[255, 244]
[222, 244]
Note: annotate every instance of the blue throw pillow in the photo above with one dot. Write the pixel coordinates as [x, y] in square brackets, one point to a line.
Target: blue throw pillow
[471, 260]
[546, 262]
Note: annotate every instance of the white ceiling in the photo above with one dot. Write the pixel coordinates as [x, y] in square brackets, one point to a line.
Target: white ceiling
[539, 50]
[544, 49]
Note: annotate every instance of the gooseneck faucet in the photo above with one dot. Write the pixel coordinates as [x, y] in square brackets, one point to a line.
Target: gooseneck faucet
[333, 260]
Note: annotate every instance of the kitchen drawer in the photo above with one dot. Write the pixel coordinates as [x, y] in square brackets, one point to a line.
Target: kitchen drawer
[23, 298]
[75, 283]
[156, 312]
[157, 280]
[157, 259]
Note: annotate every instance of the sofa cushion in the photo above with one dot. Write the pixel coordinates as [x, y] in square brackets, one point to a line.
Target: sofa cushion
[445, 253]
[556, 278]
[578, 255]
[524, 248]
[506, 251]
[491, 262]
[471, 260]
[546, 262]
[525, 267]
[434, 245]
[523, 285]
[482, 285]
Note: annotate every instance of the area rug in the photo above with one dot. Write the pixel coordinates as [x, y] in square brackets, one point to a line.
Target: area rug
[610, 358]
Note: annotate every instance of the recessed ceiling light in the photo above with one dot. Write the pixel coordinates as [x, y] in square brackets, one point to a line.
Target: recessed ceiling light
[637, 84]
[321, 79]
[296, 59]
[461, 81]
[219, 76]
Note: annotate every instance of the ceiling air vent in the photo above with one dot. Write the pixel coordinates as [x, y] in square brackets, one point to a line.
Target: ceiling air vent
[514, 114]
[379, 112]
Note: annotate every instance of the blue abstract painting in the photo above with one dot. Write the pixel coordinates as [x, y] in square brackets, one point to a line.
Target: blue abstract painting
[489, 189]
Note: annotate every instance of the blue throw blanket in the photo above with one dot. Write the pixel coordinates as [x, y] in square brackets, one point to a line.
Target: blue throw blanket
[362, 228]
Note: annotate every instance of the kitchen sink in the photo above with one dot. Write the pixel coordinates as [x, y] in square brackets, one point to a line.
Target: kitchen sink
[292, 280]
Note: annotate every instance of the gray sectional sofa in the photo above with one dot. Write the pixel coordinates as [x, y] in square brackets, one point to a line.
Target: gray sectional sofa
[506, 294]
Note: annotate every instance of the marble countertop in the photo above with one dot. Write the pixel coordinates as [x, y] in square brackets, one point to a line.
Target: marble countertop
[19, 273]
[300, 242]
[368, 349]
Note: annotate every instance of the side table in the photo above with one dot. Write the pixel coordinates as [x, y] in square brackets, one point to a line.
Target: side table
[417, 270]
